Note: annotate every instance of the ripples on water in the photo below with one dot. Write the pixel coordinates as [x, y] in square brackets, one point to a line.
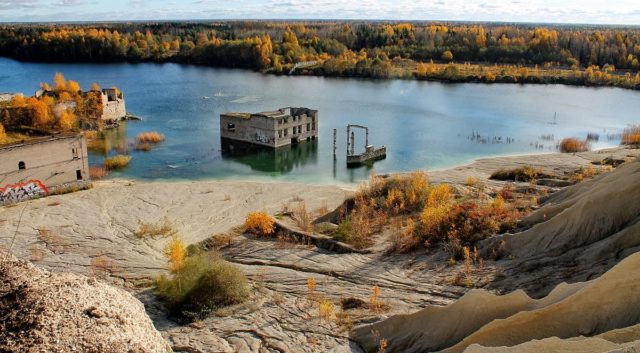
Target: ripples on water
[426, 125]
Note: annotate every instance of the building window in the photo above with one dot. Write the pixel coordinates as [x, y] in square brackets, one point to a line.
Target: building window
[313, 126]
[308, 126]
[74, 151]
[299, 129]
[286, 131]
[279, 133]
[78, 174]
[21, 165]
[231, 127]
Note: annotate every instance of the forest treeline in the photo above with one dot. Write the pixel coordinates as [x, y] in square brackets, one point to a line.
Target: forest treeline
[445, 51]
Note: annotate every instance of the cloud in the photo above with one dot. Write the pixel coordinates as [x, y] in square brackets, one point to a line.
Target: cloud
[567, 11]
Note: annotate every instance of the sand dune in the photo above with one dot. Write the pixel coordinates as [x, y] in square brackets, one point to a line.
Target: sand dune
[581, 215]
[582, 309]
[595, 223]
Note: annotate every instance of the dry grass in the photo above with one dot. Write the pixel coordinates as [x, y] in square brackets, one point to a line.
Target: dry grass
[101, 266]
[631, 136]
[151, 230]
[97, 172]
[303, 218]
[573, 145]
[525, 174]
[117, 162]
[150, 137]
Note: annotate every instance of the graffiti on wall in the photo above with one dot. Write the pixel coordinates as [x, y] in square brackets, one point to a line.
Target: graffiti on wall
[22, 191]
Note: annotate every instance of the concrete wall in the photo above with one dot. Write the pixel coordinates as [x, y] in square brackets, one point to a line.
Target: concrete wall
[112, 109]
[49, 163]
[257, 129]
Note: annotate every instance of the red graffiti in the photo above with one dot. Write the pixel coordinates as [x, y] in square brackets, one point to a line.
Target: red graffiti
[22, 191]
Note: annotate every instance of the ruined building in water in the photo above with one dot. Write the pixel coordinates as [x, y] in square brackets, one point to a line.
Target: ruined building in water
[270, 129]
[39, 166]
[111, 103]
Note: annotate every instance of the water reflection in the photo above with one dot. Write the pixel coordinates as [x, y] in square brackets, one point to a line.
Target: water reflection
[271, 160]
[110, 141]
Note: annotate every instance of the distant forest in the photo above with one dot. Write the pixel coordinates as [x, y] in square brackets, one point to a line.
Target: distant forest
[596, 55]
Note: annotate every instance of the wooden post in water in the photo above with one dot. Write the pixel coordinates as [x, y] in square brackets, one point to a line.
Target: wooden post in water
[335, 137]
[348, 138]
[353, 143]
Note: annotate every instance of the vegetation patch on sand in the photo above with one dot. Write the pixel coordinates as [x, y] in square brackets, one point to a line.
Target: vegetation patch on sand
[199, 283]
[631, 136]
[117, 162]
[573, 145]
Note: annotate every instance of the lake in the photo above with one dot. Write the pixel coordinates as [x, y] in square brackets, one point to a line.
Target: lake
[425, 125]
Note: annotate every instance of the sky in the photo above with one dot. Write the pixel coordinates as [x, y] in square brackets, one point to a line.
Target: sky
[546, 11]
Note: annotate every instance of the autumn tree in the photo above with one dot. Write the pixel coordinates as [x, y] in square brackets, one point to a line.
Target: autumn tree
[59, 83]
[95, 87]
[40, 112]
[18, 100]
[447, 56]
[73, 87]
[3, 134]
[67, 120]
[175, 252]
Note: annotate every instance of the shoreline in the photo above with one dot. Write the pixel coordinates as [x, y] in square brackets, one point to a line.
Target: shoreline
[311, 72]
[476, 163]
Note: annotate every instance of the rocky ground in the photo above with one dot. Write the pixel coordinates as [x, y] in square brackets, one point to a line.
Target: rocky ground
[93, 232]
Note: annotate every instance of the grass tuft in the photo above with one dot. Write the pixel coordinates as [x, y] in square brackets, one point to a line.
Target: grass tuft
[117, 162]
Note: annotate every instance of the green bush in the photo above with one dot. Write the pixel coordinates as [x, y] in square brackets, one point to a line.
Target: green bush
[203, 284]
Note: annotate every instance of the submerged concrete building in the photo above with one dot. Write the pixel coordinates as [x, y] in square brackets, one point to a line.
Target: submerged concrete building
[270, 129]
[37, 167]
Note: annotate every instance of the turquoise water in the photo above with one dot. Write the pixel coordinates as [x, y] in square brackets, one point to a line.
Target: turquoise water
[425, 125]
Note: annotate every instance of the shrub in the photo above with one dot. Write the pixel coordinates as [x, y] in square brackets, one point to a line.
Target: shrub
[97, 172]
[259, 223]
[117, 162]
[150, 137]
[631, 135]
[573, 145]
[164, 228]
[471, 181]
[526, 173]
[203, 284]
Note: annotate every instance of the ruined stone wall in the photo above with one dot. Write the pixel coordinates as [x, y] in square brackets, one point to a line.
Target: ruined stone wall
[48, 163]
[258, 130]
[114, 109]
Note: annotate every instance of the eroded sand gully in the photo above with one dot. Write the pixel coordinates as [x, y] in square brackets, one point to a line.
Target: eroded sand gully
[92, 232]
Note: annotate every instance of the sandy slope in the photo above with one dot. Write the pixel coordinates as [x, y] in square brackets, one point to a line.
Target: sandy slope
[588, 228]
[589, 308]
[41, 311]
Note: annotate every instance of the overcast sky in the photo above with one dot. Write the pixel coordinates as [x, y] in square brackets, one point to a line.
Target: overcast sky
[565, 11]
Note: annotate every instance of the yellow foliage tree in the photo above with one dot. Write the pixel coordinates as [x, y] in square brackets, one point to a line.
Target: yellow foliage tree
[73, 87]
[95, 87]
[18, 101]
[41, 114]
[59, 83]
[175, 252]
[447, 56]
[67, 120]
[3, 134]
[421, 70]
